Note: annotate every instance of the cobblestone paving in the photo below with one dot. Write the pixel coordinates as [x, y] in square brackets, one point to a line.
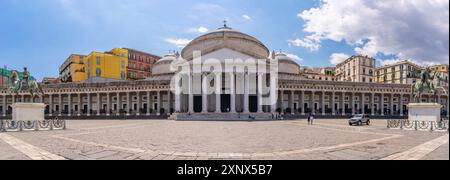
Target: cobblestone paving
[175, 140]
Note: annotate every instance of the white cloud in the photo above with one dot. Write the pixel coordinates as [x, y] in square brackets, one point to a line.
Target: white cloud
[307, 43]
[247, 17]
[337, 58]
[417, 30]
[199, 30]
[178, 42]
[295, 57]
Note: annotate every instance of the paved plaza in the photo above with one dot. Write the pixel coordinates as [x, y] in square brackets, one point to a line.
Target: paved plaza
[210, 140]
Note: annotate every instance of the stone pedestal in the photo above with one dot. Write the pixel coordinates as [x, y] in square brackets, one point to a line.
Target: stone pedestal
[424, 112]
[28, 111]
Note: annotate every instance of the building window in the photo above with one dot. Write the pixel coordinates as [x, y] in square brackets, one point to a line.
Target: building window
[98, 71]
[98, 60]
[123, 64]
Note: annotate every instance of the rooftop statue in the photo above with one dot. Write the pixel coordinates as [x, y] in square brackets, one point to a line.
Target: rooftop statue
[25, 84]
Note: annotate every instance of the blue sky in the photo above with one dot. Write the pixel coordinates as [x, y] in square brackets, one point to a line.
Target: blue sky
[41, 34]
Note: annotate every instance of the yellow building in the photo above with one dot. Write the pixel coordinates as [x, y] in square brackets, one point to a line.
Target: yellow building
[106, 66]
[397, 73]
[443, 72]
[73, 69]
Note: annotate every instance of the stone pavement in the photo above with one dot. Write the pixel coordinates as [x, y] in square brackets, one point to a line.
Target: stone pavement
[195, 140]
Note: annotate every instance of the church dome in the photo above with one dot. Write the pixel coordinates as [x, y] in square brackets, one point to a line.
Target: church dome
[226, 37]
[287, 64]
[163, 65]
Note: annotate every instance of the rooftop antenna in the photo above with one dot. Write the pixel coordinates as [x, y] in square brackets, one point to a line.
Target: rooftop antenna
[225, 23]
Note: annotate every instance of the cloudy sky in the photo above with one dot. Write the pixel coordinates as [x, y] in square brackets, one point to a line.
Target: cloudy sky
[41, 34]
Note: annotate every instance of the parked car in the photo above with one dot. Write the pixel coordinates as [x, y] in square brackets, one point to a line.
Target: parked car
[359, 120]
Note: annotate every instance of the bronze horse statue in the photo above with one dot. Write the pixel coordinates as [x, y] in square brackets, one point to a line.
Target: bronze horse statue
[16, 85]
[427, 82]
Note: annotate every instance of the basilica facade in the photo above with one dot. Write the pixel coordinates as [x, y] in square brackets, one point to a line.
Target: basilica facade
[224, 74]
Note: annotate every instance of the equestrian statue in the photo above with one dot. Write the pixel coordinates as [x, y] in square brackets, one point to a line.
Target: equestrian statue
[16, 85]
[426, 82]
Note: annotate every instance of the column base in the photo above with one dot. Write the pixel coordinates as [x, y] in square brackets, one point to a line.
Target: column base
[108, 115]
[334, 114]
[78, 114]
[128, 114]
[138, 114]
[158, 114]
[148, 114]
[69, 115]
[88, 115]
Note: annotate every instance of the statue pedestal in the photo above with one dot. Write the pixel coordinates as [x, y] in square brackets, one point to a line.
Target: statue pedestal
[28, 112]
[424, 112]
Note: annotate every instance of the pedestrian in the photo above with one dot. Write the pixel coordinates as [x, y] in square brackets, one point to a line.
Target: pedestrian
[312, 120]
[309, 119]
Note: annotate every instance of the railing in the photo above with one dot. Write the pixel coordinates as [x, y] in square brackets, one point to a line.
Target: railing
[43, 125]
[419, 125]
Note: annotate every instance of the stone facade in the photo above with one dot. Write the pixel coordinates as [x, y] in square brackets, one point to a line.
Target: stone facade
[356, 69]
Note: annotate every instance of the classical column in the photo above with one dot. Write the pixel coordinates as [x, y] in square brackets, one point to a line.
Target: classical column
[128, 104]
[159, 103]
[391, 104]
[60, 104]
[303, 102]
[259, 93]
[382, 104]
[282, 101]
[69, 96]
[118, 104]
[233, 92]
[4, 106]
[343, 103]
[149, 106]
[372, 102]
[246, 93]
[353, 104]
[333, 103]
[191, 94]
[41, 98]
[204, 94]
[291, 102]
[80, 104]
[311, 102]
[401, 104]
[363, 103]
[108, 104]
[99, 104]
[218, 84]
[169, 101]
[50, 109]
[89, 104]
[138, 96]
[274, 102]
[22, 98]
[322, 102]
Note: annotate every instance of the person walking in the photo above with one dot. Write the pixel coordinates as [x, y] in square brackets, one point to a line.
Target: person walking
[312, 120]
[309, 119]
